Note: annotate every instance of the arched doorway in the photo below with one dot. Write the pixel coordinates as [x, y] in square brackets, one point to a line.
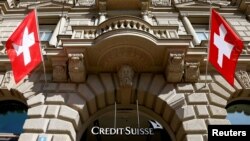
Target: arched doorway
[102, 125]
[12, 116]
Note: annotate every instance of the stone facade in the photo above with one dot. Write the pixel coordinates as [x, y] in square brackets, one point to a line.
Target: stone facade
[97, 57]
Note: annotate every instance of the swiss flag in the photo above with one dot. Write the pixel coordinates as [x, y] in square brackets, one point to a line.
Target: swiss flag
[225, 47]
[23, 47]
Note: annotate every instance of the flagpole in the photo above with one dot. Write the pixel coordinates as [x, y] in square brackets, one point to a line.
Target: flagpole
[208, 47]
[44, 69]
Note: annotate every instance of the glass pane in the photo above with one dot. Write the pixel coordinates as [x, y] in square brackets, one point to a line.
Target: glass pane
[45, 36]
[40, 34]
[12, 117]
[12, 122]
[201, 36]
[239, 113]
[207, 35]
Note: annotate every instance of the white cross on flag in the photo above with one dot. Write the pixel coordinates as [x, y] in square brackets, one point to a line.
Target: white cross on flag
[225, 47]
[23, 47]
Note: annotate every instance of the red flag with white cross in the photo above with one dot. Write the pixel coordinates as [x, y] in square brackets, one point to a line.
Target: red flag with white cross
[225, 47]
[23, 47]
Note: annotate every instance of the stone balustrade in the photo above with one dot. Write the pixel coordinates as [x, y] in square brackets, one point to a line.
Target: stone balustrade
[127, 23]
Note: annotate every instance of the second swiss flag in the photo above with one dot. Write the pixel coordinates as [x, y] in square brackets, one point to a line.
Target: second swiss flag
[225, 47]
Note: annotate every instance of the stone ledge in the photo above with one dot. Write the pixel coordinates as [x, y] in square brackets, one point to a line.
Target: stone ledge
[223, 83]
[200, 87]
[52, 111]
[185, 88]
[167, 113]
[79, 104]
[28, 95]
[193, 137]
[176, 101]
[218, 90]
[195, 126]
[157, 84]
[67, 87]
[202, 111]
[56, 98]
[28, 137]
[61, 138]
[202, 78]
[36, 100]
[95, 85]
[37, 111]
[197, 98]
[36, 125]
[185, 113]
[108, 84]
[57, 126]
[71, 115]
[88, 95]
[25, 87]
[50, 87]
[167, 93]
[217, 100]
[217, 121]
[217, 112]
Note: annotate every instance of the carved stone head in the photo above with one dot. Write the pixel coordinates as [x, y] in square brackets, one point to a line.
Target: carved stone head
[126, 75]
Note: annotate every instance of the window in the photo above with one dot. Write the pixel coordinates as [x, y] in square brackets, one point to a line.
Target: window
[202, 32]
[45, 32]
[12, 117]
[239, 112]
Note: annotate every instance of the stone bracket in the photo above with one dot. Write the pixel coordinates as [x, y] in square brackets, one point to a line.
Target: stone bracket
[76, 67]
[192, 71]
[175, 67]
[59, 69]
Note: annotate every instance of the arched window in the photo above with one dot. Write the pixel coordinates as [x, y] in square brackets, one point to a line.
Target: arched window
[239, 112]
[12, 117]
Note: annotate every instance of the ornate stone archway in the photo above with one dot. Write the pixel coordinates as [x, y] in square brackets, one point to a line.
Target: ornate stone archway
[62, 110]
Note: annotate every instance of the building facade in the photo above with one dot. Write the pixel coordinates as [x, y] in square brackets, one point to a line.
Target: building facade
[120, 63]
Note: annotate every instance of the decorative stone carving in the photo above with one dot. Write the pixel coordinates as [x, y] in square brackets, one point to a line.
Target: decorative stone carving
[144, 6]
[59, 69]
[59, 73]
[77, 70]
[13, 3]
[192, 71]
[126, 75]
[6, 83]
[175, 67]
[85, 2]
[243, 78]
[110, 60]
[102, 6]
[161, 2]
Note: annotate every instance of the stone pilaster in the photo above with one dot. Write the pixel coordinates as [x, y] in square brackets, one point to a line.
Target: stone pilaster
[188, 26]
[59, 28]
